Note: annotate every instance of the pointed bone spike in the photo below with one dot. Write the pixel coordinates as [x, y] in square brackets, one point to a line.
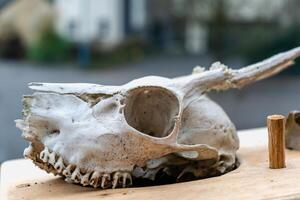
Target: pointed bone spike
[222, 78]
[266, 68]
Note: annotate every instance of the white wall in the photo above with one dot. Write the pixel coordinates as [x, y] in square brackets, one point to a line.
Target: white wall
[138, 14]
[100, 20]
[196, 37]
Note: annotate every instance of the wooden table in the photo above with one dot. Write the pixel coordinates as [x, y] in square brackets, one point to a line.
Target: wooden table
[20, 179]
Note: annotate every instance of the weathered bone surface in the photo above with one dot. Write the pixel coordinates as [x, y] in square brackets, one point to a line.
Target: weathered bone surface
[108, 136]
[292, 139]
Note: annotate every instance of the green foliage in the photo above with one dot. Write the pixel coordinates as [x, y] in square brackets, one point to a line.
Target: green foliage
[49, 48]
[132, 50]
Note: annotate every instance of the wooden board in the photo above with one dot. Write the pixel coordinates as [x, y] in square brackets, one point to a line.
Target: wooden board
[20, 179]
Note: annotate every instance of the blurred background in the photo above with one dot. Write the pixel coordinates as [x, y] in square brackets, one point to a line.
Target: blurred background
[114, 41]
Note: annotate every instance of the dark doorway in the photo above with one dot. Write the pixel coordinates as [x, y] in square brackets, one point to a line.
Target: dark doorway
[12, 48]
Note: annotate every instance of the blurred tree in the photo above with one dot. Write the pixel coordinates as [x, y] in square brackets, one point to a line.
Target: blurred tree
[19, 18]
[49, 48]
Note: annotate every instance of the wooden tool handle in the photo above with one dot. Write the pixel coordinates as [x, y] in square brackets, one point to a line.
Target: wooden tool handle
[276, 129]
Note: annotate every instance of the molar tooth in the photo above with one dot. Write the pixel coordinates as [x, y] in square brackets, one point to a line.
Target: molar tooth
[116, 177]
[28, 152]
[44, 154]
[95, 179]
[68, 171]
[105, 182]
[59, 165]
[126, 176]
[51, 158]
[85, 179]
[76, 176]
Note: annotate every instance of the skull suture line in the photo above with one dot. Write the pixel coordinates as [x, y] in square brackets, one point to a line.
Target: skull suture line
[105, 136]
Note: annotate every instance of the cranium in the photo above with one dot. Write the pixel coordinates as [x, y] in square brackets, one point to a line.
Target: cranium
[105, 136]
[292, 139]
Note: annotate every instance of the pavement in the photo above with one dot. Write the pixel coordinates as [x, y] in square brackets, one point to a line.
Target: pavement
[247, 108]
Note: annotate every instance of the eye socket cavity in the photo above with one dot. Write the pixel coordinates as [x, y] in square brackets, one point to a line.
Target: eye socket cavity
[151, 110]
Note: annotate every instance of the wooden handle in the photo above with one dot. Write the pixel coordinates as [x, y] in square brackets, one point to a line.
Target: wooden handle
[276, 129]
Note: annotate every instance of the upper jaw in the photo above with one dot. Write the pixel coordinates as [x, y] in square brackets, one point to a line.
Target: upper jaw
[52, 162]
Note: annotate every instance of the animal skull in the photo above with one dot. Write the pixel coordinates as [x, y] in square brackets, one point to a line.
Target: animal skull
[292, 139]
[105, 136]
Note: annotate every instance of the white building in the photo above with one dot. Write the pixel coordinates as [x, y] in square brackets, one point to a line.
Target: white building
[104, 21]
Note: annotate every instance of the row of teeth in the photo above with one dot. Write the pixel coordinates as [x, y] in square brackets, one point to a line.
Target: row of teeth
[76, 175]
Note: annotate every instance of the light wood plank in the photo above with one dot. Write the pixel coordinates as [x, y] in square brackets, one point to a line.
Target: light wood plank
[20, 179]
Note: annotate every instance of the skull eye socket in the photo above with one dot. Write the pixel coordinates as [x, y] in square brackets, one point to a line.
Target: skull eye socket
[151, 110]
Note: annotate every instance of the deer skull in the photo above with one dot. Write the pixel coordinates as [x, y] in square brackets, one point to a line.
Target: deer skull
[105, 136]
[292, 139]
